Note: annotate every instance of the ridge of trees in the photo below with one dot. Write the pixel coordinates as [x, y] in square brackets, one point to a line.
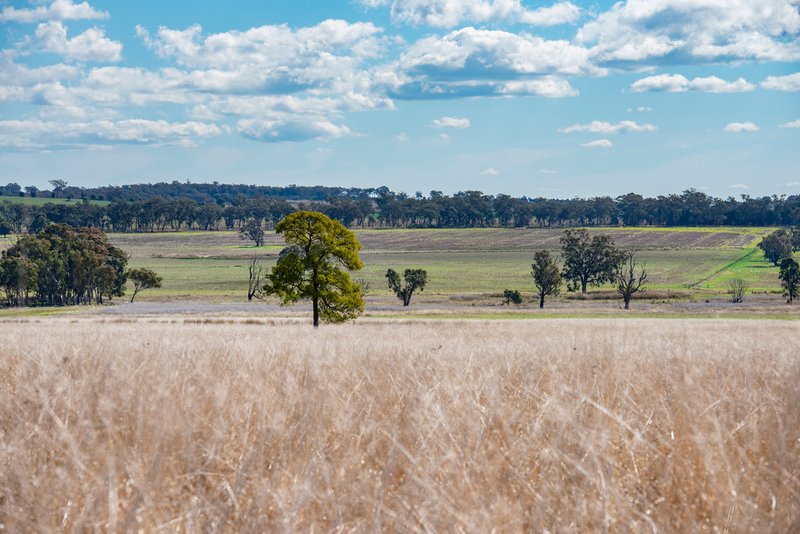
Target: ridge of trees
[178, 206]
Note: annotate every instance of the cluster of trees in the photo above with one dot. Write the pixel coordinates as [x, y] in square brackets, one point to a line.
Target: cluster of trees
[779, 248]
[588, 262]
[178, 206]
[60, 266]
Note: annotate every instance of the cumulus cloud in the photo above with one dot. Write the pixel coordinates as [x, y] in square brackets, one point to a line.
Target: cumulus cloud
[278, 131]
[601, 127]
[599, 143]
[268, 46]
[739, 186]
[91, 45]
[37, 134]
[698, 31]
[473, 62]
[546, 86]
[677, 83]
[738, 127]
[473, 53]
[783, 83]
[58, 10]
[449, 13]
[792, 124]
[491, 171]
[451, 122]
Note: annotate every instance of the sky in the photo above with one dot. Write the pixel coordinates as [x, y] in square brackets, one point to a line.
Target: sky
[557, 99]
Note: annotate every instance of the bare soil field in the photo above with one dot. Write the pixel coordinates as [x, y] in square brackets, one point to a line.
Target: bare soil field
[264, 424]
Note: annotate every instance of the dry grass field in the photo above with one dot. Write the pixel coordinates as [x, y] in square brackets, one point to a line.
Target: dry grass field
[262, 426]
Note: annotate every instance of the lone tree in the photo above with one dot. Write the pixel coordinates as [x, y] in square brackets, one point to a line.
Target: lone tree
[777, 246]
[251, 229]
[511, 295]
[588, 261]
[314, 267]
[255, 281]
[546, 275]
[736, 289]
[790, 278]
[630, 276]
[415, 279]
[58, 186]
[142, 279]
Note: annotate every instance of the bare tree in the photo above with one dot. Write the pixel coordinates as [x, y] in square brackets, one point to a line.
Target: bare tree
[365, 286]
[737, 288]
[631, 276]
[255, 284]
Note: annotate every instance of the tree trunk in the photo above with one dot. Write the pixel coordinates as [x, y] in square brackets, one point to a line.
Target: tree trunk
[627, 303]
[315, 304]
[583, 286]
[541, 300]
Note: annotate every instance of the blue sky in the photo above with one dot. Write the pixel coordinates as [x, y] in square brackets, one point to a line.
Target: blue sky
[555, 99]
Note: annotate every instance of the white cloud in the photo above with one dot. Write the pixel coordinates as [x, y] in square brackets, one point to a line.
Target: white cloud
[783, 83]
[739, 186]
[21, 75]
[473, 53]
[279, 131]
[271, 46]
[675, 83]
[471, 62]
[642, 109]
[738, 127]
[58, 10]
[491, 171]
[693, 31]
[599, 143]
[547, 86]
[792, 124]
[601, 127]
[444, 137]
[372, 4]
[37, 134]
[402, 137]
[793, 184]
[451, 122]
[91, 45]
[547, 171]
[450, 13]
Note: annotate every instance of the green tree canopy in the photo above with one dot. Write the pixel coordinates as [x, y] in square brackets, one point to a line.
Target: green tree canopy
[314, 267]
[777, 246]
[143, 278]
[588, 261]
[790, 278]
[62, 265]
[546, 275]
[415, 279]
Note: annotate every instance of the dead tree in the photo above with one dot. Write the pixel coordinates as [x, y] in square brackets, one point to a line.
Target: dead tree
[736, 289]
[631, 277]
[256, 281]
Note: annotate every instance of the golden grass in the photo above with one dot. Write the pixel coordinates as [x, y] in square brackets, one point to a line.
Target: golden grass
[562, 425]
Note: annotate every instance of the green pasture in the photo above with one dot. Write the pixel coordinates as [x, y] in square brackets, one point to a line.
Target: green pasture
[696, 262]
[40, 201]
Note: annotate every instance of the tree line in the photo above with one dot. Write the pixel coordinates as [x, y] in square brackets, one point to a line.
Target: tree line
[383, 208]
